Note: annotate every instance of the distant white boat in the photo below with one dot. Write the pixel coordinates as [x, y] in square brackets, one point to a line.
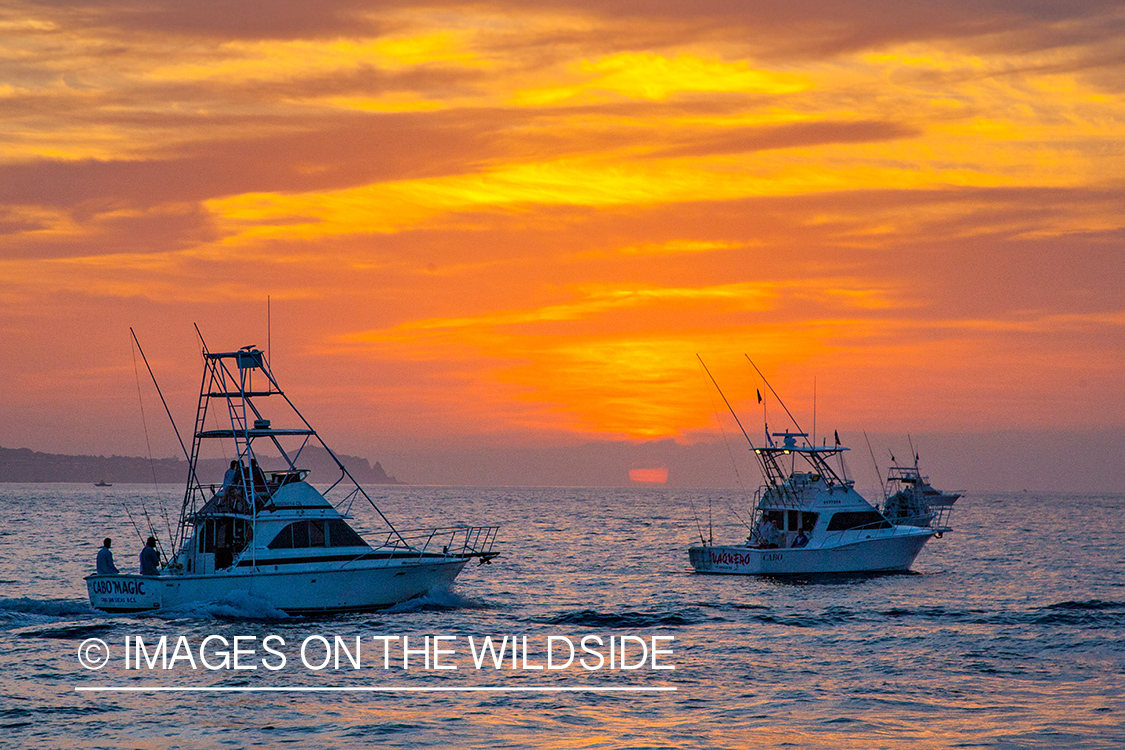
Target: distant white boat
[275, 536]
[809, 519]
[912, 501]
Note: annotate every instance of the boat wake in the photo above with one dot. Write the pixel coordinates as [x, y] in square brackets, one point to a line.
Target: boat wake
[22, 611]
[438, 599]
[236, 605]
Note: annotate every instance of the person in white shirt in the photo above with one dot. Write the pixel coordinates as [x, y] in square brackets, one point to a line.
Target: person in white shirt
[105, 559]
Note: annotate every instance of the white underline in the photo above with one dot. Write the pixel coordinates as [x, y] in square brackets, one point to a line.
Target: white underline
[372, 689]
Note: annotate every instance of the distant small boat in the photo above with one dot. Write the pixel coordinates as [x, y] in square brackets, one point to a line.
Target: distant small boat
[912, 501]
[103, 483]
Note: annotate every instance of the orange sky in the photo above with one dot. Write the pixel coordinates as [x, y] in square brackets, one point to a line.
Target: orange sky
[495, 224]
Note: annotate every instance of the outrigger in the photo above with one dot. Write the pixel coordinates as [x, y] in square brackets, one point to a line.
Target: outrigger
[274, 535]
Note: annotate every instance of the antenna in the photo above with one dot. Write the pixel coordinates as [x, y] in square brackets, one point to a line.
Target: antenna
[269, 330]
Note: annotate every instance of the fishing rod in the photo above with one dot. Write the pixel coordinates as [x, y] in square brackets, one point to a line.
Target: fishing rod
[875, 463]
[159, 393]
[135, 528]
[152, 465]
[697, 525]
[737, 474]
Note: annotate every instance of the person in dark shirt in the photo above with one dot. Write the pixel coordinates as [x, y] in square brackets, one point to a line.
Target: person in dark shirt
[257, 477]
[150, 558]
[105, 559]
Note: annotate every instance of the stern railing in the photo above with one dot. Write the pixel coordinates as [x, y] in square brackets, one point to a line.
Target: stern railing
[453, 542]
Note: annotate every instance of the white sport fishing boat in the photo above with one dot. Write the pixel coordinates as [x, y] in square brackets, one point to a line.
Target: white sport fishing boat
[273, 535]
[809, 519]
[912, 501]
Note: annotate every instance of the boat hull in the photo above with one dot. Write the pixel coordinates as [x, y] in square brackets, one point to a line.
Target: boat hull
[306, 591]
[881, 554]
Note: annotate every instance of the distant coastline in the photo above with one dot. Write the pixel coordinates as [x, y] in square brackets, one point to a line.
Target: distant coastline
[25, 465]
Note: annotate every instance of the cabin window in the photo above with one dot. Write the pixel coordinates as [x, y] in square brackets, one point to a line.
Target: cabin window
[807, 521]
[342, 535]
[317, 533]
[793, 514]
[775, 516]
[868, 519]
[284, 538]
[300, 534]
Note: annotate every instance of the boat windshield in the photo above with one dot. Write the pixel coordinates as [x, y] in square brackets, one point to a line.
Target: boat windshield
[306, 533]
[868, 519]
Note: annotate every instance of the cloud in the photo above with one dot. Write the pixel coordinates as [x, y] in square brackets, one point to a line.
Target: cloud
[528, 220]
[739, 140]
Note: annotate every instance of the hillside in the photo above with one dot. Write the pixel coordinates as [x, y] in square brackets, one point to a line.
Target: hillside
[24, 465]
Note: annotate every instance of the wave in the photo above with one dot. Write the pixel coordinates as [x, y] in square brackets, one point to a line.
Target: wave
[1095, 605]
[439, 599]
[594, 619]
[66, 632]
[1095, 613]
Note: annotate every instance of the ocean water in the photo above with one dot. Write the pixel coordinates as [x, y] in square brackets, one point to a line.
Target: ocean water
[1008, 633]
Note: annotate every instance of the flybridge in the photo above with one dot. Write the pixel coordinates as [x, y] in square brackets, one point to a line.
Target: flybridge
[253, 432]
[789, 445]
[785, 477]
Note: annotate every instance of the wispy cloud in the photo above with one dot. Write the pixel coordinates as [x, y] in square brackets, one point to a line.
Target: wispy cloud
[535, 216]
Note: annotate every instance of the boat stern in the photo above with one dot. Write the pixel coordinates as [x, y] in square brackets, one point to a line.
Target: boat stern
[737, 560]
[124, 593]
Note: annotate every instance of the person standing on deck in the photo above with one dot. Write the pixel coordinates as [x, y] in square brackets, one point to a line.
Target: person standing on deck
[230, 478]
[150, 558]
[105, 559]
